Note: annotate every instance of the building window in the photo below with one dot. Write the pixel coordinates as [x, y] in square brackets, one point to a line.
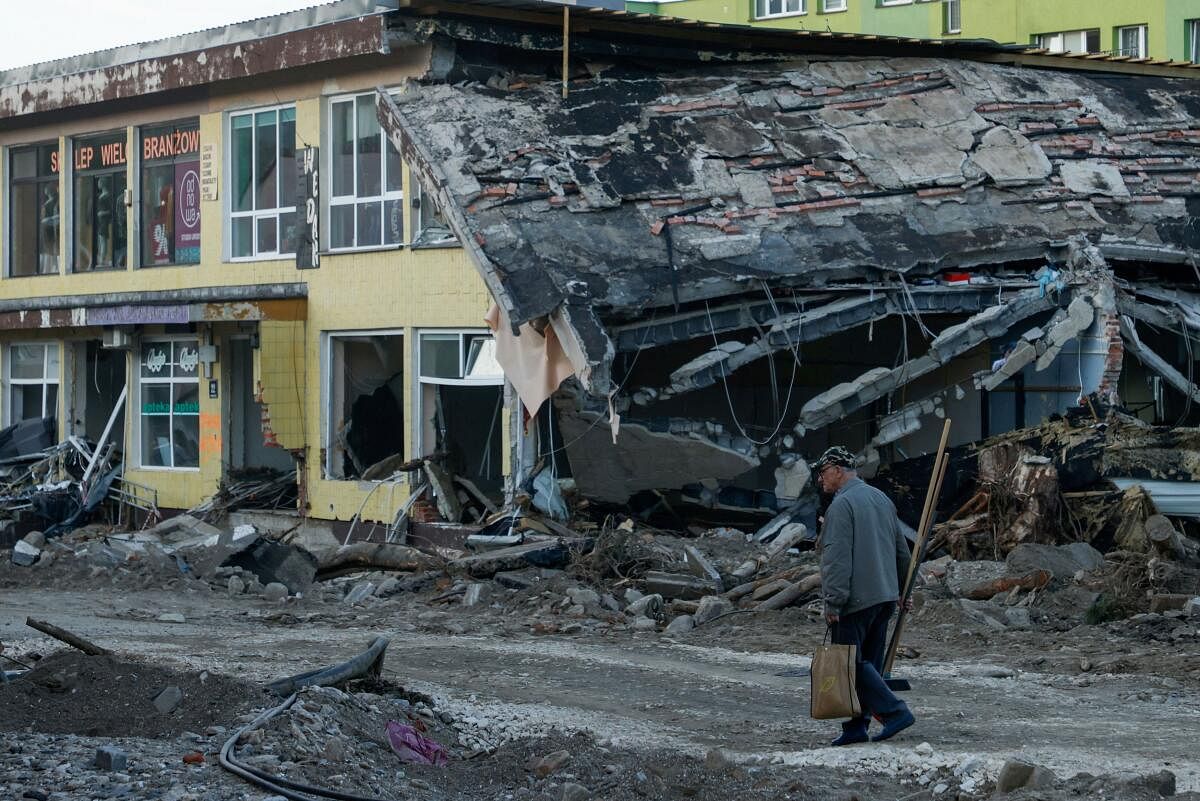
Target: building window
[830, 6]
[366, 203]
[34, 218]
[952, 16]
[365, 434]
[169, 403]
[459, 404]
[431, 225]
[1131, 41]
[263, 170]
[895, 2]
[765, 9]
[170, 210]
[1082, 41]
[32, 375]
[99, 170]
[1193, 40]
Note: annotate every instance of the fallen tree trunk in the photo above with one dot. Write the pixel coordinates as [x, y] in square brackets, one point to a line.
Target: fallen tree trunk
[790, 594]
[375, 556]
[62, 635]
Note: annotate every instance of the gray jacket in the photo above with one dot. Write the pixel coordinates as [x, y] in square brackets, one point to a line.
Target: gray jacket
[864, 555]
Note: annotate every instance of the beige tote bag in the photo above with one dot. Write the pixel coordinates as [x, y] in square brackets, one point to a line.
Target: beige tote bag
[834, 689]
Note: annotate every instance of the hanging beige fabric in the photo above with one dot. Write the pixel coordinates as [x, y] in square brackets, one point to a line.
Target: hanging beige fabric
[534, 364]
[834, 688]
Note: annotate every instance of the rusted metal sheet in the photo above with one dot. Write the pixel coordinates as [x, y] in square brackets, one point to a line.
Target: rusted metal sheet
[337, 40]
[250, 310]
[41, 318]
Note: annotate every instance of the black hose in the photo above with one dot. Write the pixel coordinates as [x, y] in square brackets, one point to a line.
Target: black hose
[369, 661]
[276, 784]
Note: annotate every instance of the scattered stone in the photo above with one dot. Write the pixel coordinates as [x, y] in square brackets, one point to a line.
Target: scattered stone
[472, 596]
[235, 585]
[644, 624]
[924, 749]
[989, 671]
[646, 606]
[111, 758]
[550, 763]
[609, 602]
[1062, 561]
[388, 587]
[167, 700]
[1017, 773]
[964, 578]
[680, 625]
[171, 617]
[25, 554]
[575, 792]
[275, 592]
[710, 608]
[583, 596]
[35, 538]
[632, 596]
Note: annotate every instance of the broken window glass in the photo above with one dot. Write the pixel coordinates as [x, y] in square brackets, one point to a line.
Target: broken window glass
[99, 202]
[263, 177]
[366, 436]
[169, 403]
[32, 377]
[35, 215]
[431, 225]
[366, 207]
[170, 194]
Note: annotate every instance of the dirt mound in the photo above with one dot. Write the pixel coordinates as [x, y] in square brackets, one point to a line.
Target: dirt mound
[106, 696]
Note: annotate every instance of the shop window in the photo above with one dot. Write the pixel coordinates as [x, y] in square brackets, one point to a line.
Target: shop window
[461, 396]
[365, 437]
[169, 403]
[31, 372]
[170, 184]
[366, 200]
[263, 181]
[34, 219]
[99, 166]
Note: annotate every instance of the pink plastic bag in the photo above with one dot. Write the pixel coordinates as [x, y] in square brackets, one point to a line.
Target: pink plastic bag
[412, 746]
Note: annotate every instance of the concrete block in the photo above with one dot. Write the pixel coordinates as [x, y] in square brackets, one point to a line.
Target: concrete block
[168, 700]
[25, 554]
[111, 758]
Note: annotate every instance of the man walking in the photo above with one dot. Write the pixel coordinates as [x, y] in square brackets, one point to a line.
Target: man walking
[864, 560]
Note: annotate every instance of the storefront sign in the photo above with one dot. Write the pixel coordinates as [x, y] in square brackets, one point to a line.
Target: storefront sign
[101, 153]
[137, 315]
[308, 189]
[170, 144]
[187, 212]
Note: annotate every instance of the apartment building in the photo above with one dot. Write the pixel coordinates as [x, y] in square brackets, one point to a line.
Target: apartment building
[1157, 30]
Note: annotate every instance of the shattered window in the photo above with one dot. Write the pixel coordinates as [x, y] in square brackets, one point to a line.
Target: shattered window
[431, 225]
[170, 193]
[169, 403]
[99, 170]
[779, 8]
[263, 183]
[365, 438]
[366, 203]
[31, 372]
[33, 198]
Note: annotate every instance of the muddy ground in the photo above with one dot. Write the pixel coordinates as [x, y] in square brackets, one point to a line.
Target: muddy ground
[717, 713]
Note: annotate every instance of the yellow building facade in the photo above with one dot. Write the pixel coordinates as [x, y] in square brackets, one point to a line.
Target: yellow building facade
[149, 247]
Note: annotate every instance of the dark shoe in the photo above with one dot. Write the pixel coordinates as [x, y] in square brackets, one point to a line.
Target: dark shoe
[852, 737]
[898, 723]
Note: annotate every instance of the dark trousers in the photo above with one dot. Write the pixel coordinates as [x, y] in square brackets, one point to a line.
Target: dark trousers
[868, 629]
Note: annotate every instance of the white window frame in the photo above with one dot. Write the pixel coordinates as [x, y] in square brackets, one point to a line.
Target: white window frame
[45, 381]
[1142, 39]
[761, 6]
[895, 2]
[328, 435]
[284, 187]
[420, 380]
[834, 6]
[353, 199]
[141, 381]
[950, 10]
[1194, 40]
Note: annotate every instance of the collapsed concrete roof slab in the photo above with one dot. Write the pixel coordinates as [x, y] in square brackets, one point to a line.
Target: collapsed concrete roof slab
[644, 188]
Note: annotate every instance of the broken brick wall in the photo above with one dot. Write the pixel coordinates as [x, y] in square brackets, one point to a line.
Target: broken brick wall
[280, 381]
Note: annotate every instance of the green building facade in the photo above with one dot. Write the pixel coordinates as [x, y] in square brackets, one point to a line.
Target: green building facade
[1155, 29]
